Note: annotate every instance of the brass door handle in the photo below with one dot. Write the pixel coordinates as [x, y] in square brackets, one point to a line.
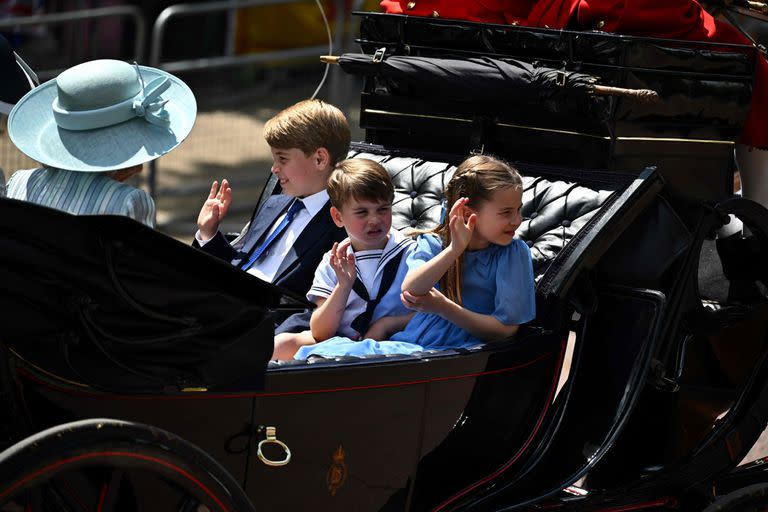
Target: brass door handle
[271, 438]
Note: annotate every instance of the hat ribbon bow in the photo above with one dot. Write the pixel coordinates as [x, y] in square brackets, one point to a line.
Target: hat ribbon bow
[146, 104]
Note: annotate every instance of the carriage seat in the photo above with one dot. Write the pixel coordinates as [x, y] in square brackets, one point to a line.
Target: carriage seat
[554, 210]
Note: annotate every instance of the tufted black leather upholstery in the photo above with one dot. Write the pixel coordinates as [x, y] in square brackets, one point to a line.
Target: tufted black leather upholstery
[419, 186]
[553, 211]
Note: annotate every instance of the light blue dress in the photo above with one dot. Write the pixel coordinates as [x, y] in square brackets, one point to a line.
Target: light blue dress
[81, 193]
[496, 281]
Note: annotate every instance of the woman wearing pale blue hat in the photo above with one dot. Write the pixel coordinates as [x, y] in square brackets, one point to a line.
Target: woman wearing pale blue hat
[92, 128]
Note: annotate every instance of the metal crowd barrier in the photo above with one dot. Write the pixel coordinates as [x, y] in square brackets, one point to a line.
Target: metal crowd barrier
[231, 7]
[82, 15]
[132, 12]
[229, 59]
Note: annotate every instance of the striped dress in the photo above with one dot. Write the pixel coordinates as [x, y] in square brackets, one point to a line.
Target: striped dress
[81, 193]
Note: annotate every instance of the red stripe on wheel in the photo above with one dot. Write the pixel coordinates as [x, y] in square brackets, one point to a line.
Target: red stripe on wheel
[9, 491]
[102, 497]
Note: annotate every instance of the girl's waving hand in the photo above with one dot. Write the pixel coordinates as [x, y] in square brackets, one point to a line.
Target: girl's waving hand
[462, 224]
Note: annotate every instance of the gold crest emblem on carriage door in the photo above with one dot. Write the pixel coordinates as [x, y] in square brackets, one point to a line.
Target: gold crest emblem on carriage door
[337, 473]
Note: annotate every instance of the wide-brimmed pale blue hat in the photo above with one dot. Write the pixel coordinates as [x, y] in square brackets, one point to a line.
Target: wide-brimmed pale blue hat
[103, 115]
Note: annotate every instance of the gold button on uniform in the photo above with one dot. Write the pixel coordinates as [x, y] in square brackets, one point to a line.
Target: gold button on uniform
[410, 6]
[600, 24]
[435, 14]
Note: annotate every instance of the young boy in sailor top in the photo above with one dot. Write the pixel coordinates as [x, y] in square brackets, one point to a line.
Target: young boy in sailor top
[357, 285]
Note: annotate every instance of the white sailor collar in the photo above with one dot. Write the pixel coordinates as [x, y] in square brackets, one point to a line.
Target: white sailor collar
[396, 244]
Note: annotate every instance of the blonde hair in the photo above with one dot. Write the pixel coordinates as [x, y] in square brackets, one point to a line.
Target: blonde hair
[477, 178]
[359, 178]
[309, 125]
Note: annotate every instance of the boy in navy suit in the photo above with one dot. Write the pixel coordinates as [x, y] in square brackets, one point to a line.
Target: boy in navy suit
[289, 234]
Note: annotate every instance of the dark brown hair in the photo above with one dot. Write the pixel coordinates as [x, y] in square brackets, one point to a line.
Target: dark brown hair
[359, 178]
[309, 125]
[477, 178]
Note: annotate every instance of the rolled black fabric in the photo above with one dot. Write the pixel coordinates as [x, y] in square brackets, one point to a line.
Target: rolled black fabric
[107, 301]
[498, 79]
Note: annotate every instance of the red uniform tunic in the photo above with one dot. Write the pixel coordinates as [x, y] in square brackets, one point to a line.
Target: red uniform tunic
[672, 19]
[509, 12]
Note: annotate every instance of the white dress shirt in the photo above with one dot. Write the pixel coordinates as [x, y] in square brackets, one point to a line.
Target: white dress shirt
[267, 265]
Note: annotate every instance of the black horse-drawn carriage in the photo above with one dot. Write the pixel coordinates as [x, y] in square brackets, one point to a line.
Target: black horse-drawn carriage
[666, 391]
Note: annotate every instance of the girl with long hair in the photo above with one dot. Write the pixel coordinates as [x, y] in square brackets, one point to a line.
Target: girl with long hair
[469, 280]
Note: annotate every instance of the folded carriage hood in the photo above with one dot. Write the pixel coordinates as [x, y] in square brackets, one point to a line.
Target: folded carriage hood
[108, 301]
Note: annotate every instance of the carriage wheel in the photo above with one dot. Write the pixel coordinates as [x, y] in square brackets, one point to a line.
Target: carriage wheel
[747, 499]
[103, 464]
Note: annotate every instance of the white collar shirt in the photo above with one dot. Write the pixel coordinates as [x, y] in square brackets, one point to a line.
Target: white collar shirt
[267, 265]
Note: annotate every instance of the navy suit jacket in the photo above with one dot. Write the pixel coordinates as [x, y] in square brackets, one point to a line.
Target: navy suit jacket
[297, 270]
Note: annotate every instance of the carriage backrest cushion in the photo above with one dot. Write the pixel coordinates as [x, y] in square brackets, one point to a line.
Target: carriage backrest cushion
[553, 211]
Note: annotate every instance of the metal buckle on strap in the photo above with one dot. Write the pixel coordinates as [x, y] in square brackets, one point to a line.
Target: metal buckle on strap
[477, 151]
[560, 78]
[379, 55]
